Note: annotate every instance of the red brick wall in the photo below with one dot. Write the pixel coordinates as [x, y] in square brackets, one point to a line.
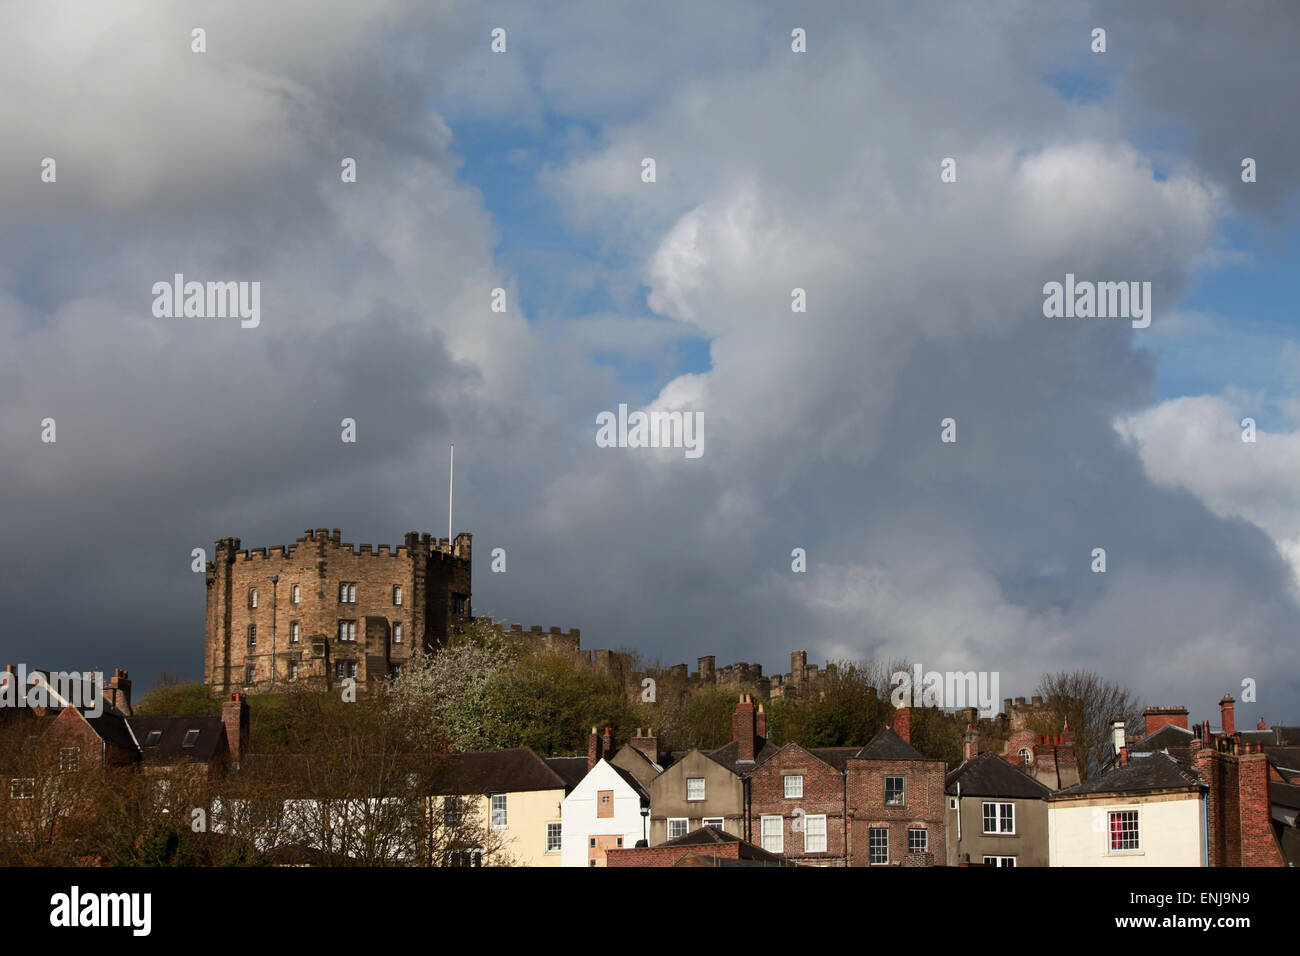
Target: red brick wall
[823, 793]
[924, 806]
[668, 855]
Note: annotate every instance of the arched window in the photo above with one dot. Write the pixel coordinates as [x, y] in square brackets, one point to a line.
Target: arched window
[1026, 756]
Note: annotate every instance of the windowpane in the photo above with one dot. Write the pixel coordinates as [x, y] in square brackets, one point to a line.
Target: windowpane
[814, 838]
[773, 834]
[793, 785]
[552, 835]
[894, 792]
[1124, 830]
[695, 788]
[918, 840]
[878, 845]
[677, 827]
[498, 811]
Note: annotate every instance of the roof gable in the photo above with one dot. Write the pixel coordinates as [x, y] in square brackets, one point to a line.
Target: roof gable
[887, 745]
[989, 775]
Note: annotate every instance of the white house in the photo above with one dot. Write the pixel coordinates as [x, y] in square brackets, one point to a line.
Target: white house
[602, 812]
[1145, 810]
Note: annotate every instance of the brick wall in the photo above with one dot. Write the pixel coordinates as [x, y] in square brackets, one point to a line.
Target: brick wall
[823, 793]
[924, 807]
[668, 855]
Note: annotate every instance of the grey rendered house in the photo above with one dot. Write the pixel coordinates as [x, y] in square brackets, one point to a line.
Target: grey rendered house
[996, 814]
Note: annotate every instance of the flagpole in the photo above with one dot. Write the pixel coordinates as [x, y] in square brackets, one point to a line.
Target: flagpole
[451, 479]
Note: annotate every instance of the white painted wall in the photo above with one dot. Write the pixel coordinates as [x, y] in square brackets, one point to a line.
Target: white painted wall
[578, 814]
[1170, 832]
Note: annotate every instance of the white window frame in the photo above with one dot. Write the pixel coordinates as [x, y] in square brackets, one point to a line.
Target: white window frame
[772, 842]
[294, 599]
[699, 791]
[675, 823]
[294, 632]
[718, 822]
[252, 597]
[1004, 813]
[871, 849]
[999, 861]
[293, 670]
[925, 839]
[348, 631]
[22, 788]
[554, 837]
[397, 595]
[793, 792]
[500, 814]
[397, 632]
[814, 833]
[1111, 849]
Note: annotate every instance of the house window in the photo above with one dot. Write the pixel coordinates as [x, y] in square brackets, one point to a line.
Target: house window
[1026, 756]
[472, 857]
[814, 834]
[713, 822]
[878, 845]
[252, 635]
[293, 670]
[999, 861]
[895, 792]
[397, 601]
[153, 738]
[1123, 830]
[593, 842]
[347, 594]
[293, 632]
[918, 840]
[191, 738]
[999, 818]
[619, 842]
[347, 630]
[694, 788]
[22, 788]
[774, 834]
[69, 759]
[605, 803]
[952, 803]
[252, 597]
[498, 811]
[397, 633]
[552, 831]
[677, 827]
[452, 812]
[793, 785]
[297, 594]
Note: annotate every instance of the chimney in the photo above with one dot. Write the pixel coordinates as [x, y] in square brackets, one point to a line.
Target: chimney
[119, 691]
[760, 726]
[593, 749]
[1227, 719]
[969, 743]
[1117, 736]
[903, 723]
[234, 714]
[646, 742]
[1123, 756]
[742, 728]
[1261, 725]
[607, 743]
[1156, 717]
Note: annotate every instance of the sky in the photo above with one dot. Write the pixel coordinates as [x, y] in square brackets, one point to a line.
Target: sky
[774, 170]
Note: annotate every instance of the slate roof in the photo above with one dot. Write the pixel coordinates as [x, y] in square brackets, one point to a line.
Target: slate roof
[499, 771]
[988, 775]
[171, 744]
[112, 728]
[837, 757]
[570, 769]
[728, 756]
[1287, 736]
[1142, 774]
[631, 780]
[1284, 794]
[887, 745]
[1285, 757]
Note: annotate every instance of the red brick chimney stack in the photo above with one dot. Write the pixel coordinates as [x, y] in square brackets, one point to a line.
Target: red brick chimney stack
[1261, 725]
[1157, 717]
[234, 714]
[903, 723]
[760, 727]
[593, 749]
[1227, 719]
[969, 743]
[743, 726]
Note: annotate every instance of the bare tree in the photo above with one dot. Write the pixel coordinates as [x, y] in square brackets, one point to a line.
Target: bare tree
[1090, 703]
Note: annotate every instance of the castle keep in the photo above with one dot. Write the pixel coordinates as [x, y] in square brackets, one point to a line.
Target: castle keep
[322, 609]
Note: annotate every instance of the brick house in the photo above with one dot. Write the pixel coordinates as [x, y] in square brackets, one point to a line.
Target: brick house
[796, 805]
[895, 801]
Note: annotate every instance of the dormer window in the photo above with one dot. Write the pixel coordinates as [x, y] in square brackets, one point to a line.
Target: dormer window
[191, 738]
[153, 738]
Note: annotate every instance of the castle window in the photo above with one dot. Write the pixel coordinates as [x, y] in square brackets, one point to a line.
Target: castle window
[69, 759]
[293, 670]
[252, 597]
[458, 603]
[344, 669]
[397, 594]
[293, 632]
[297, 593]
[397, 633]
[248, 674]
[347, 630]
[252, 635]
[347, 594]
